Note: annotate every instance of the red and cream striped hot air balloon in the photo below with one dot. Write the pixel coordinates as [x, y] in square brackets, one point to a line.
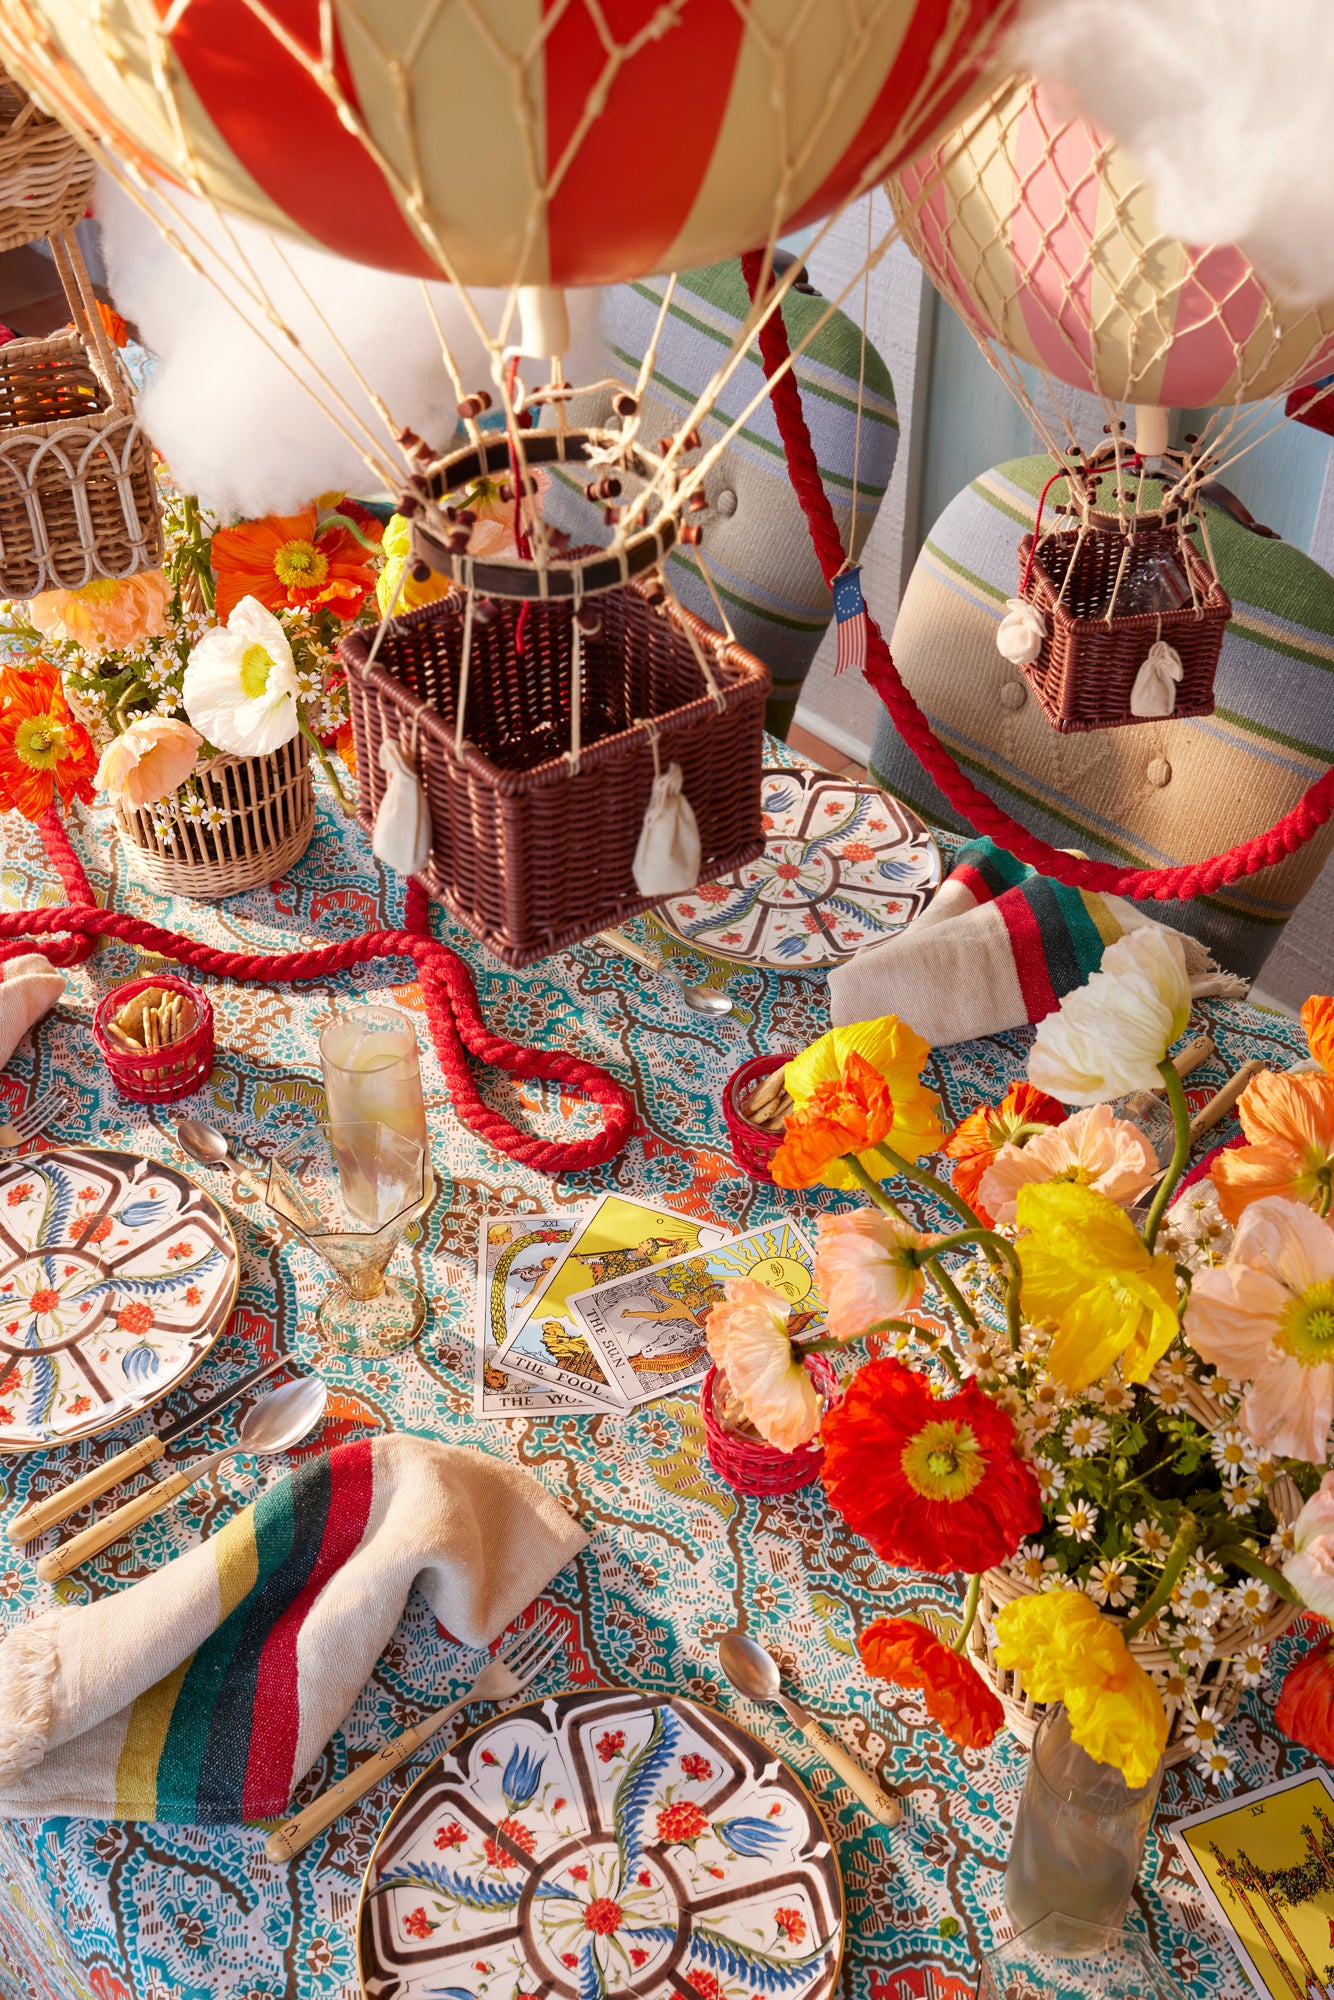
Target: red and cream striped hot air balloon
[1040, 232]
[544, 142]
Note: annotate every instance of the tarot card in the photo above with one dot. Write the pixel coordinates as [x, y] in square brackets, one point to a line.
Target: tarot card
[515, 1255]
[1265, 1861]
[618, 1236]
[648, 1327]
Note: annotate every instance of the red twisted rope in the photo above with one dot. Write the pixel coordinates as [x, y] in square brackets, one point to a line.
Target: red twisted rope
[452, 1012]
[1195, 878]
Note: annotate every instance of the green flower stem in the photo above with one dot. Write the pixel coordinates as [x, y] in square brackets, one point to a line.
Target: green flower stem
[951, 1291]
[1006, 1250]
[1176, 1097]
[869, 1185]
[1324, 1191]
[132, 693]
[939, 1188]
[826, 1344]
[970, 1603]
[313, 740]
[1187, 1538]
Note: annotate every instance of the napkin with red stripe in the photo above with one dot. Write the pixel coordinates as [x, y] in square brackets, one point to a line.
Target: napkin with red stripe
[998, 945]
[204, 1692]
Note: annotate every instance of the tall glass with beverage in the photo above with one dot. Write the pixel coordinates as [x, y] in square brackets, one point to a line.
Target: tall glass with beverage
[372, 1076]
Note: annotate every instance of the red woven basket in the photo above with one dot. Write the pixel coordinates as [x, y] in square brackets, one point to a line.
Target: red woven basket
[529, 853]
[1086, 670]
[750, 1465]
[752, 1146]
[170, 1073]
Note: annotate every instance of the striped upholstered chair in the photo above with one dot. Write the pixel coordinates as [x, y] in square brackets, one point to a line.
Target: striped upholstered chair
[755, 538]
[1154, 793]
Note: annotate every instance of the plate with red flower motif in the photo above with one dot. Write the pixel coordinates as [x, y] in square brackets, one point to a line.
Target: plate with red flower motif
[117, 1275]
[844, 866]
[603, 1846]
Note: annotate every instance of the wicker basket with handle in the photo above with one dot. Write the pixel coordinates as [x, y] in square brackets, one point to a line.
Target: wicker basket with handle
[269, 803]
[534, 835]
[46, 177]
[1218, 1684]
[78, 497]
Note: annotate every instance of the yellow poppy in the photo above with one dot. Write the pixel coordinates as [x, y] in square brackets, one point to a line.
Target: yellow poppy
[898, 1054]
[1087, 1273]
[1065, 1650]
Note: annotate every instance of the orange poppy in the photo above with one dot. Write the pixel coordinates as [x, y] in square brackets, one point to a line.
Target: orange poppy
[1318, 1026]
[42, 748]
[903, 1651]
[846, 1116]
[1022, 1113]
[1289, 1121]
[290, 560]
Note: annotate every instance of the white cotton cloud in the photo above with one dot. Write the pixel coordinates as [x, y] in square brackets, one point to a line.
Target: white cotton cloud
[239, 428]
[1227, 107]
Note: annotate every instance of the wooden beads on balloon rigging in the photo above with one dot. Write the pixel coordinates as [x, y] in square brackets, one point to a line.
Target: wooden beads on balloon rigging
[471, 407]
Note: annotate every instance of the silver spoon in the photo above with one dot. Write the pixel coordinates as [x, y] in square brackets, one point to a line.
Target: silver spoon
[212, 1148]
[275, 1423]
[703, 999]
[754, 1672]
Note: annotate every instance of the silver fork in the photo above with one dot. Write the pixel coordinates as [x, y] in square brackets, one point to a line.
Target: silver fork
[508, 1674]
[35, 1116]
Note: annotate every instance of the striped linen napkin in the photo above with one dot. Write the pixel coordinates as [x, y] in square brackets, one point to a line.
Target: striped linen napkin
[204, 1692]
[999, 945]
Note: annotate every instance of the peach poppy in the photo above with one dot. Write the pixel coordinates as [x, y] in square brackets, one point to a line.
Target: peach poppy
[748, 1339]
[1318, 1027]
[1022, 1113]
[1092, 1148]
[108, 614]
[150, 758]
[867, 1268]
[292, 560]
[1289, 1121]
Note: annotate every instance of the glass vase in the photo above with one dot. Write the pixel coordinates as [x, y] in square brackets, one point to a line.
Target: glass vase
[1078, 1843]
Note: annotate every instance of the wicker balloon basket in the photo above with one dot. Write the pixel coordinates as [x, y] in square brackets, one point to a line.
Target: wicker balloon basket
[78, 496]
[1218, 1685]
[535, 825]
[46, 177]
[257, 820]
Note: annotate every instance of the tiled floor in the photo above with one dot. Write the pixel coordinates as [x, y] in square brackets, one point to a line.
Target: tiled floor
[823, 754]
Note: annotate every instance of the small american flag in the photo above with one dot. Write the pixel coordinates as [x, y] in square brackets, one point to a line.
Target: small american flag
[850, 616]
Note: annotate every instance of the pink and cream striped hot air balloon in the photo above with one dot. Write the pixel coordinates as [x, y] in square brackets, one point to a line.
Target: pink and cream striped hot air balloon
[1040, 232]
[544, 142]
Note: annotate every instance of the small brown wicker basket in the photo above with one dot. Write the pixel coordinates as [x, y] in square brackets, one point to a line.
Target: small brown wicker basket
[533, 847]
[1084, 675]
[78, 499]
[46, 177]
[269, 808]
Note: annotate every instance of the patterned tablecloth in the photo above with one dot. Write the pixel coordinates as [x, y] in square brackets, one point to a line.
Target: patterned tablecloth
[150, 1912]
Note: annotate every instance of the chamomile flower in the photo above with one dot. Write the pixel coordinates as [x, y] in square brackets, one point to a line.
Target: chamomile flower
[1109, 1584]
[1241, 1498]
[1194, 1647]
[1217, 1764]
[215, 816]
[1251, 1599]
[1205, 1726]
[1050, 1479]
[1115, 1396]
[1167, 1391]
[1033, 1565]
[1079, 1521]
[1267, 1468]
[1175, 1683]
[1197, 1598]
[1251, 1666]
[1154, 1541]
[1283, 1542]
[1085, 1435]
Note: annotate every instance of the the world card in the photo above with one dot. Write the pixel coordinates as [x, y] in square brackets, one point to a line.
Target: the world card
[648, 1327]
[618, 1236]
[1265, 1861]
[515, 1256]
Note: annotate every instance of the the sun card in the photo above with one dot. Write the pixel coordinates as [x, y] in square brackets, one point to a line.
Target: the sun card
[515, 1256]
[648, 1327]
[618, 1236]
[1265, 1861]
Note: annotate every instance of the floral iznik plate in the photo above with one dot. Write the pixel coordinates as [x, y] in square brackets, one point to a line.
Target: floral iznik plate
[602, 1846]
[117, 1275]
[844, 866]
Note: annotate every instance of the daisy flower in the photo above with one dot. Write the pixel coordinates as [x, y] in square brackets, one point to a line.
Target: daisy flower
[1283, 1541]
[1251, 1599]
[1217, 1763]
[1114, 1395]
[1051, 1480]
[1078, 1521]
[1168, 1391]
[1032, 1564]
[1251, 1666]
[1154, 1541]
[1085, 1435]
[1231, 1452]
[1197, 1598]
[1109, 1584]
[1195, 1647]
[1205, 1725]
[1241, 1498]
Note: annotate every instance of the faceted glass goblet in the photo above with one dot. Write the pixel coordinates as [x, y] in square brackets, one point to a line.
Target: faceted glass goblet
[351, 1191]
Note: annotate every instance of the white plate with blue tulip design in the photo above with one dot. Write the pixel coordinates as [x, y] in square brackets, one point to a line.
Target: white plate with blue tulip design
[603, 1846]
[844, 866]
[117, 1275]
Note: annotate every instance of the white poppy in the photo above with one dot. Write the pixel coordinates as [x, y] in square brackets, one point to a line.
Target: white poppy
[240, 686]
[1108, 1037]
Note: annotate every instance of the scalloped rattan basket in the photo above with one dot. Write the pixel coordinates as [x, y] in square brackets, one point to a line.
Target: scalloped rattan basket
[271, 806]
[1217, 1686]
[78, 496]
[46, 177]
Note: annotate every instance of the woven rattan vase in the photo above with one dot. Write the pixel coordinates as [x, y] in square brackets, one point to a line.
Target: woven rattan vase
[78, 497]
[271, 806]
[1218, 1686]
[46, 177]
